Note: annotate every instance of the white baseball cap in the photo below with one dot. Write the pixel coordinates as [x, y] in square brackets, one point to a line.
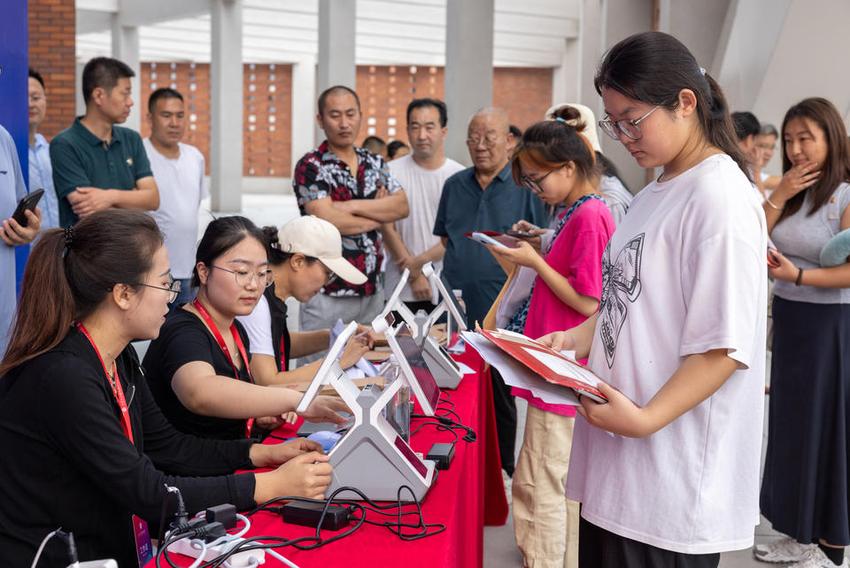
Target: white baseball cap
[312, 236]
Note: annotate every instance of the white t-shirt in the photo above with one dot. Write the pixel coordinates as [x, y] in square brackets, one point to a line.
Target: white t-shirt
[683, 274]
[258, 325]
[423, 189]
[181, 190]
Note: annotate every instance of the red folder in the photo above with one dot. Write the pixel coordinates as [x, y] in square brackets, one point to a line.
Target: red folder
[569, 372]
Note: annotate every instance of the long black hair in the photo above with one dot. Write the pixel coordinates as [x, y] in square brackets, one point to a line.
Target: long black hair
[654, 67]
[836, 168]
[70, 272]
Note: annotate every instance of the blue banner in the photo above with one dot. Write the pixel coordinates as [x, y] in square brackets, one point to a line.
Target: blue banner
[14, 97]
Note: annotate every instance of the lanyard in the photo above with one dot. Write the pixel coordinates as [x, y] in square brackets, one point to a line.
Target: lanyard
[239, 345]
[568, 214]
[117, 389]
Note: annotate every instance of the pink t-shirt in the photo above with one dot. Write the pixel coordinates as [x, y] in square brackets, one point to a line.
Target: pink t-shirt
[576, 254]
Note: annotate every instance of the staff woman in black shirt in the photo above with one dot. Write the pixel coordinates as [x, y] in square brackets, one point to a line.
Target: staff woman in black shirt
[201, 349]
[85, 446]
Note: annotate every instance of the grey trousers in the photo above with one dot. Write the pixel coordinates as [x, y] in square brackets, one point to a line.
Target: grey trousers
[322, 311]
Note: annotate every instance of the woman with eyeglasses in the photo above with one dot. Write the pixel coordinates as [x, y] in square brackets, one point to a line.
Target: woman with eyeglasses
[198, 368]
[557, 162]
[667, 471]
[85, 446]
[304, 256]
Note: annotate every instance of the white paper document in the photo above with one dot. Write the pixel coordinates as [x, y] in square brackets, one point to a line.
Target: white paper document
[518, 375]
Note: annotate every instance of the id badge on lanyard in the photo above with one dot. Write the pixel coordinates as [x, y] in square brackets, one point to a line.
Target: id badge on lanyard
[141, 534]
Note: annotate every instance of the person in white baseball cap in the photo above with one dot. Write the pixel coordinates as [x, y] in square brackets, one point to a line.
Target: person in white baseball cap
[305, 254]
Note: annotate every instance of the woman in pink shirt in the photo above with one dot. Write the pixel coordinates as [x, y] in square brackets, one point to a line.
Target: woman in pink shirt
[557, 162]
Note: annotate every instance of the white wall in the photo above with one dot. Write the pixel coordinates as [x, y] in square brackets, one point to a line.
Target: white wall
[810, 59]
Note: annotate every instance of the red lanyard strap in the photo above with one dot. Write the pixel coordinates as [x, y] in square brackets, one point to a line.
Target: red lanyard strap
[283, 361]
[117, 388]
[237, 339]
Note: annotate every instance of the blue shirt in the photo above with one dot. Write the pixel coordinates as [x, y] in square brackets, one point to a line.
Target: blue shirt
[465, 207]
[41, 177]
[12, 190]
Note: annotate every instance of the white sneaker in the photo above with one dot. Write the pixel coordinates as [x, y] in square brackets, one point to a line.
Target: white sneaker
[782, 551]
[815, 558]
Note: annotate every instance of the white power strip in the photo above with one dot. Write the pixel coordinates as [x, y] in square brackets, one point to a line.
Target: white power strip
[223, 545]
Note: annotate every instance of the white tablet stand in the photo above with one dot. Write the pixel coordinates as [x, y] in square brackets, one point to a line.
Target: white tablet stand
[445, 370]
[372, 456]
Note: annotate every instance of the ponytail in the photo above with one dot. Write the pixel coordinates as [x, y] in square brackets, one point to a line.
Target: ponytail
[70, 272]
[719, 128]
[46, 308]
[654, 67]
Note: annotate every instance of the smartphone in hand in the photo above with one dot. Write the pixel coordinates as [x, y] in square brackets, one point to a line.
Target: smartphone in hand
[772, 259]
[27, 203]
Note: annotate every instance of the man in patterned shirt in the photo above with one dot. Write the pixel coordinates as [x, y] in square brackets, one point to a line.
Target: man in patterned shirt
[353, 189]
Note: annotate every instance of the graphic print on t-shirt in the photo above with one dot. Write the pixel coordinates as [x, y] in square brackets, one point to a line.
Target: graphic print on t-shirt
[620, 282]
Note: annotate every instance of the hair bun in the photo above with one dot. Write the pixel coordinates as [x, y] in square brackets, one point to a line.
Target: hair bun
[272, 239]
[570, 116]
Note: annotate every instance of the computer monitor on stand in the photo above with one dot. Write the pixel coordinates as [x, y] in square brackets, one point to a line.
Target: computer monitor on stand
[447, 373]
[372, 456]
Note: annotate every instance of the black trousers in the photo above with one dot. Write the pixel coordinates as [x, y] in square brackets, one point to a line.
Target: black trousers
[598, 548]
[505, 407]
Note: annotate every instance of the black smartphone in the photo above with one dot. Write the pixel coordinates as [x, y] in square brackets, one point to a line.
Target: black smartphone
[520, 234]
[28, 202]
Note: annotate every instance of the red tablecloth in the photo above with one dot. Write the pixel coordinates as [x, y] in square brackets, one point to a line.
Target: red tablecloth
[465, 497]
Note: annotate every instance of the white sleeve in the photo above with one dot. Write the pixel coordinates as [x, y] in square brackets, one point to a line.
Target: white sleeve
[258, 325]
[723, 284]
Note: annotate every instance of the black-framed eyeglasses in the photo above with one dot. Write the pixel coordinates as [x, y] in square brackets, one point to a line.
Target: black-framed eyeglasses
[244, 277]
[629, 128]
[173, 289]
[534, 184]
[330, 275]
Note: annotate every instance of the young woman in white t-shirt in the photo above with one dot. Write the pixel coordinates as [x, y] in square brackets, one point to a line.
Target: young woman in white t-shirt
[667, 472]
[304, 255]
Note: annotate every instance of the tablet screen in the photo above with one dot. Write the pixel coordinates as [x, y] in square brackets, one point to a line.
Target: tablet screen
[413, 354]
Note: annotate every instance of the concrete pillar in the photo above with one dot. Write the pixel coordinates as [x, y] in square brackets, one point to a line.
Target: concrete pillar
[337, 35]
[226, 93]
[337, 27]
[303, 108]
[79, 102]
[469, 67]
[125, 46]
[567, 78]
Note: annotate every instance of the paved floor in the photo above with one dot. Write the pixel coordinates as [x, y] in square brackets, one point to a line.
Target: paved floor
[500, 549]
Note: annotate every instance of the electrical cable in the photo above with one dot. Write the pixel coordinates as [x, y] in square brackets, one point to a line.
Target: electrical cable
[68, 537]
[316, 540]
[470, 435]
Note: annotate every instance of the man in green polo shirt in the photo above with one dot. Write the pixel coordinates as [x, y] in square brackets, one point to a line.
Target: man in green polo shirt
[97, 165]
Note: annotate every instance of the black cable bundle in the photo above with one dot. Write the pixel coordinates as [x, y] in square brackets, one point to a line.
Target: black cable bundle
[397, 527]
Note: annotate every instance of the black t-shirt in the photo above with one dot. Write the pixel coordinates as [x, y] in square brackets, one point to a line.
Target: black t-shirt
[184, 339]
[66, 461]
